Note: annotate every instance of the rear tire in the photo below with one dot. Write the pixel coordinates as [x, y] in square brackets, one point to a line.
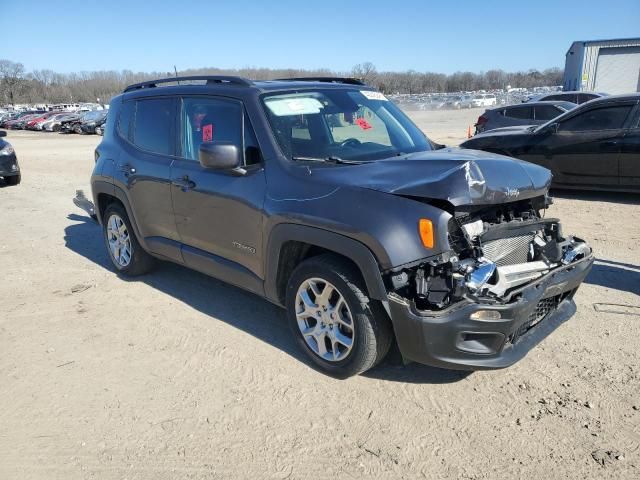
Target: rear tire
[343, 339]
[13, 180]
[123, 247]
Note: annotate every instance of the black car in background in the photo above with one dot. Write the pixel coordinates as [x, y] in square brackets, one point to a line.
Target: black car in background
[9, 168]
[594, 146]
[93, 120]
[534, 113]
[573, 97]
[84, 123]
[71, 124]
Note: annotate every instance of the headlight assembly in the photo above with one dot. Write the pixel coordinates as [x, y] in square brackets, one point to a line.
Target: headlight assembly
[7, 150]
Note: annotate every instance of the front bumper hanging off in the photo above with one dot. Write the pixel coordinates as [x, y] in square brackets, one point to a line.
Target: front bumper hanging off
[451, 338]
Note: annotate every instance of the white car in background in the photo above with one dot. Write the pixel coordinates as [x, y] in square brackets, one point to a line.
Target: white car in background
[484, 100]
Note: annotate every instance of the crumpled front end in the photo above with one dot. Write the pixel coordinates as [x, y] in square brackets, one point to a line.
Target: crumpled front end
[508, 281]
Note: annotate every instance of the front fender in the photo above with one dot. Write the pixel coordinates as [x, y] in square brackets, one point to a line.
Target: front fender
[340, 244]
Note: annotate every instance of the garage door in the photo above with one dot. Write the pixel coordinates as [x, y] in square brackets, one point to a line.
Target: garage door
[618, 70]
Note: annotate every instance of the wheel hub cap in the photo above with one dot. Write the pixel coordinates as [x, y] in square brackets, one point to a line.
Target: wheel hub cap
[324, 320]
[119, 240]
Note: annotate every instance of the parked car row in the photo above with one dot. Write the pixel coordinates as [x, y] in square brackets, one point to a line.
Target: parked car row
[63, 122]
[481, 98]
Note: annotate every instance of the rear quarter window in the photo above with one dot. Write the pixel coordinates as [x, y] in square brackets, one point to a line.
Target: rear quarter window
[125, 119]
[547, 112]
[524, 113]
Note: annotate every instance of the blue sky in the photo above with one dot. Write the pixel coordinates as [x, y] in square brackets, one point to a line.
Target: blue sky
[444, 36]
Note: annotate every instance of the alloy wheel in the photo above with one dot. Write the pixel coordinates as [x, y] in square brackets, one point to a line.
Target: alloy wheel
[119, 241]
[324, 319]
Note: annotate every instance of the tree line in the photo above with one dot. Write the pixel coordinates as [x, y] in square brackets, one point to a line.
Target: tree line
[46, 86]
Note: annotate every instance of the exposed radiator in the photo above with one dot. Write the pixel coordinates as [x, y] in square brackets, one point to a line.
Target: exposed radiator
[509, 250]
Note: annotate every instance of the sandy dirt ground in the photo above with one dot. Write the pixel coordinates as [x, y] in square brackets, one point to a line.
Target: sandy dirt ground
[178, 376]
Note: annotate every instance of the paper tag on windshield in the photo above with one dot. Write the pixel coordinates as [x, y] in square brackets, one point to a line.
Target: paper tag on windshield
[373, 95]
[283, 107]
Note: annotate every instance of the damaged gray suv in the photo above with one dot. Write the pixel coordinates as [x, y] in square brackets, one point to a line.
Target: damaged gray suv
[321, 196]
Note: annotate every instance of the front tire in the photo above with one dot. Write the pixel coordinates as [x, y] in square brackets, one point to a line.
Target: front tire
[332, 318]
[124, 250]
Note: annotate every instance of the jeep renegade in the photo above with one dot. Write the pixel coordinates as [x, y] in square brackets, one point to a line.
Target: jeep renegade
[321, 196]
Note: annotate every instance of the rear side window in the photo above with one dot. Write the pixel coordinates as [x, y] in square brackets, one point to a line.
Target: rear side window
[606, 118]
[153, 122]
[125, 119]
[546, 112]
[519, 112]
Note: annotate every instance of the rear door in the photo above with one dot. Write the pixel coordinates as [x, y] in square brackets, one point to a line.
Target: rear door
[218, 214]
[585, 150]
[144, 166]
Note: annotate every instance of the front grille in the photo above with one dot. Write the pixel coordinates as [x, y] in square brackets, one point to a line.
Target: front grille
[509, 250]
[543, 308]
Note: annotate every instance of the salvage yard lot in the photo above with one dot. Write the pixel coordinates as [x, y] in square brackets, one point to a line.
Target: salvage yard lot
[176, 375]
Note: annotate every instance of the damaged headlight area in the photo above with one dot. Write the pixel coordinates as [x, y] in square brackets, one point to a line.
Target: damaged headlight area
[495, 251]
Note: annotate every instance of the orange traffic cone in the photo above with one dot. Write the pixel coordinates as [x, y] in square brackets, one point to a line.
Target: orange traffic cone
[469, 132]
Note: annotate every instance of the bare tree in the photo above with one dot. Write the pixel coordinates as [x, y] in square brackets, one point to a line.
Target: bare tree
[45, 86]
[365, 71]
[11, 79]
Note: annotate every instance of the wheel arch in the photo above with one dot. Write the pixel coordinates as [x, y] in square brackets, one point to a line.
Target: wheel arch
[105, 193]
[289, 244]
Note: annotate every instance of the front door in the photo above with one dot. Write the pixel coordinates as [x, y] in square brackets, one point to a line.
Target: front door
[630, 154]
[218, 213]
[585, 149]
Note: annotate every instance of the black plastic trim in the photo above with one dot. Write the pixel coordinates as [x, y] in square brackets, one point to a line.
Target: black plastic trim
[348, 247]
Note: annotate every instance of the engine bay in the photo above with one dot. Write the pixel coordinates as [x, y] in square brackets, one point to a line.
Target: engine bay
[495, 251]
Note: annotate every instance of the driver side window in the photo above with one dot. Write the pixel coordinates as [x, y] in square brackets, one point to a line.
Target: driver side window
[605, 118]
[209, 120]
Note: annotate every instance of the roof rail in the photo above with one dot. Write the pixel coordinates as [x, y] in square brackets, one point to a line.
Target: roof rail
[210, 79]
[347, 80]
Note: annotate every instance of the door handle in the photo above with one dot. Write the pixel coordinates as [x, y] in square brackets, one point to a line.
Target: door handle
[184, 183]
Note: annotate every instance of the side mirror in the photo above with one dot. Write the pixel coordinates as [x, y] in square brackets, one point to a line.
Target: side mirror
[220, 156]
[3, 133]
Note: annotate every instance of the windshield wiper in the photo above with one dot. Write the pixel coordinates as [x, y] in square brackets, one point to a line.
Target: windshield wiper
[330, 159]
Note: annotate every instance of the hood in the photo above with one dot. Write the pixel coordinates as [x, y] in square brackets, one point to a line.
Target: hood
[502, 131]
[458, 176]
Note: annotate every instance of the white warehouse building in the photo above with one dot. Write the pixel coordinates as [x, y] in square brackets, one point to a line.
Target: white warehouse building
[609, 66]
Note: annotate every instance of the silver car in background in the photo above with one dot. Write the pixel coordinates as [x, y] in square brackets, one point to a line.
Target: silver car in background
[53, 124]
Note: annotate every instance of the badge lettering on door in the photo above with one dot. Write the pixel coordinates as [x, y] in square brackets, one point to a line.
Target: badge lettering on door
[244, 247]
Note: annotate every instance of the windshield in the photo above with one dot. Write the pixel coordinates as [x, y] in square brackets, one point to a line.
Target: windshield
[344, 124]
